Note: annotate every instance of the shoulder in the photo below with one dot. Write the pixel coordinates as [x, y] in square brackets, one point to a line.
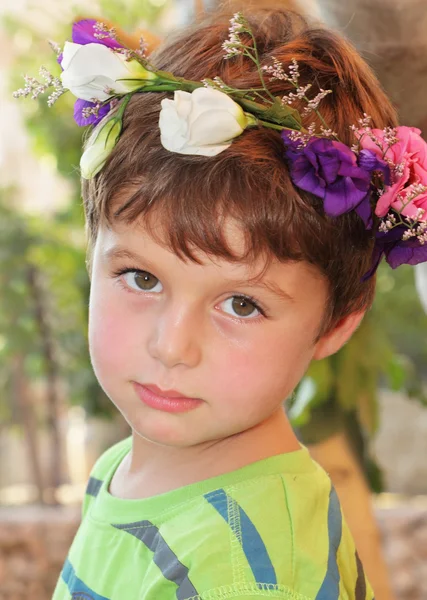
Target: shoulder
[288, 535]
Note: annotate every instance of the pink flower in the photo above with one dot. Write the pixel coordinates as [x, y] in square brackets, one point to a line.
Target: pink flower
[409, 169]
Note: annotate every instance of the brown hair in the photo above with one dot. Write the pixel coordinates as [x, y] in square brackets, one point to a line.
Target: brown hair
[249, 181]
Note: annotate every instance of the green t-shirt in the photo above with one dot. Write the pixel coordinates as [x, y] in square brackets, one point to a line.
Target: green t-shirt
[272, 529]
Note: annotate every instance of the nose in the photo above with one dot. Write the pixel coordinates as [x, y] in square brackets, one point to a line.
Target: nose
[175, 338]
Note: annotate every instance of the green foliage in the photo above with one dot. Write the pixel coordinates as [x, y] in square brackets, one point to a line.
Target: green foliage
[130, 12]
[389, 348]
[30, 244]
[340, 393]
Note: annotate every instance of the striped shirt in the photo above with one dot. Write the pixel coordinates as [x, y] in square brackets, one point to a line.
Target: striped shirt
[272, 529]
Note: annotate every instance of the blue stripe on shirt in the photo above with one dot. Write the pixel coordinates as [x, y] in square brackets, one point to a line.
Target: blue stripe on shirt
[247, 534]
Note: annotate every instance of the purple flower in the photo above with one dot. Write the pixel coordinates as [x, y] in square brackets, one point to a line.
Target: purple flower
[84, 33]
[396, 251]
[328, 169]
[369, 161]
[92, 120]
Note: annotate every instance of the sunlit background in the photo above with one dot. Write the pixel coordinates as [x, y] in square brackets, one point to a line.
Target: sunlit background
[370, 400]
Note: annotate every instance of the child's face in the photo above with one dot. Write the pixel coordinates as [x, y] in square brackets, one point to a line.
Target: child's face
[183, 326]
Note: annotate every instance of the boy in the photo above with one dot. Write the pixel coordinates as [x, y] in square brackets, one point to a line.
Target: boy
[214, 283]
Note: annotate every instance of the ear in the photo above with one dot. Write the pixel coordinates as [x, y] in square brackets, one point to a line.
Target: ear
[335, 339]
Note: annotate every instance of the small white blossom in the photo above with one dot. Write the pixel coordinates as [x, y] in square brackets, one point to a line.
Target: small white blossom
[276, 71]
[330, 133]
[390, 136]
[53, 97]
[408, 234]
[233, 46]
[294, 71]
[126, 52]
[55, 47]
[301, 137]
[365, 121]
[299, 94]
[35, 88]
[102, 31]
[32, 87]
[389, 222]
[89, 111]
[314, 103]
[398, 169]
[143, 48]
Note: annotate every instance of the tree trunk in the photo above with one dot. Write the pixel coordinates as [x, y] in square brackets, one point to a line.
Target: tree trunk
[29, 424]
[53, 399]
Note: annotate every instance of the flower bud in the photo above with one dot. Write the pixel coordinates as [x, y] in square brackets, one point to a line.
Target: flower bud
[95, 155]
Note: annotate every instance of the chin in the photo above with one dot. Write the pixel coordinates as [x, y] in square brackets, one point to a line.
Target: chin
[157, 431]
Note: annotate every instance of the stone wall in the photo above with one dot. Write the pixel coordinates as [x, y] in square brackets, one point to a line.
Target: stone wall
[404, 531]
[34, 543]
[400, 446]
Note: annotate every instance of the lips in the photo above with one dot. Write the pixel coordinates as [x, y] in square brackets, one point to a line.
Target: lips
[165, 400]
[165, 393]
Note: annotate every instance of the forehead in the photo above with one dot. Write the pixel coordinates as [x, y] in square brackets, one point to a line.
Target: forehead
[296, 279]
[118, 239]
[158, 222]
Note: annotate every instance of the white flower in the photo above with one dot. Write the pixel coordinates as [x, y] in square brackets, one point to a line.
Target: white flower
[203, 122]
[96, 71]
[95, 155]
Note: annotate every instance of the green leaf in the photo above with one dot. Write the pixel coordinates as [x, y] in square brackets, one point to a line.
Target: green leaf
[314, 389]
[283, 114]
[398, 370]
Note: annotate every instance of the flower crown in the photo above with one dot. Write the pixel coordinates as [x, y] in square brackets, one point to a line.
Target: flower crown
[382, 177]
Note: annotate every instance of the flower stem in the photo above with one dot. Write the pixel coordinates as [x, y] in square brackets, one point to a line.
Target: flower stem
[256, 61]
[258, 66]
[269, 125]
[122, 106]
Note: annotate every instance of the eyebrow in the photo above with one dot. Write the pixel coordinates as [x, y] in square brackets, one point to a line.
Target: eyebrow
[116, 252]
[270, 286]
[119, 252]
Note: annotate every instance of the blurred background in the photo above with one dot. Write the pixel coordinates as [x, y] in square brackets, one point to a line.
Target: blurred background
[363, 412]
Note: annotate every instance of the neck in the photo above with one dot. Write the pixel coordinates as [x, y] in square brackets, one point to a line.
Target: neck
[153, 469]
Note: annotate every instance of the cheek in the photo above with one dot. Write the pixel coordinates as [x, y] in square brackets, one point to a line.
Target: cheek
[110, 334]
[261, 370]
